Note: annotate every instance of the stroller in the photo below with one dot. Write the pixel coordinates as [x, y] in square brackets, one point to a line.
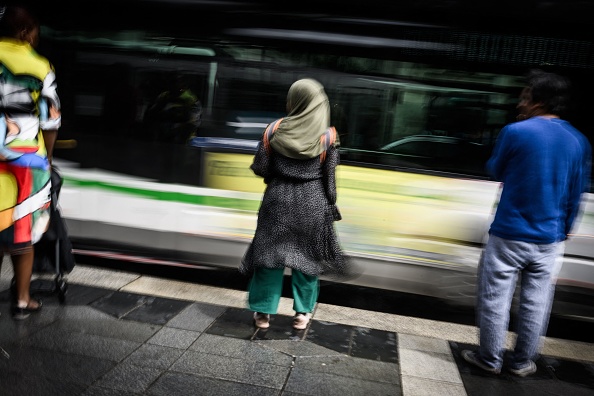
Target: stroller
[53, 253]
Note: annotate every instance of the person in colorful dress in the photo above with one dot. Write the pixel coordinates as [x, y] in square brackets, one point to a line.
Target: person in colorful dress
[297, 158]
[29, 121]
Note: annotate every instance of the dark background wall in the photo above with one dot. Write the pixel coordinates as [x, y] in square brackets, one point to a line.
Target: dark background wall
[560, 17]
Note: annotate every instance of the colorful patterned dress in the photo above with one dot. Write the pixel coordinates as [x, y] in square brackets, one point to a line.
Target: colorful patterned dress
[27, 88]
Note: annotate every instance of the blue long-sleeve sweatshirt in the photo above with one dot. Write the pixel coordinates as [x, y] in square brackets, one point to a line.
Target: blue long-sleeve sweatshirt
[544, 164]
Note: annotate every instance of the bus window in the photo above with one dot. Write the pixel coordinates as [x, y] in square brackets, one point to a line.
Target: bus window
[175, 114]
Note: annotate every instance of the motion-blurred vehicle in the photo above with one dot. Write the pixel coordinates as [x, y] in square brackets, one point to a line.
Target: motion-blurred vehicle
[417, 106]
[448, 153]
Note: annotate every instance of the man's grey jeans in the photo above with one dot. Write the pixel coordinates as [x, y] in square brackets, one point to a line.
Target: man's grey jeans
[501, 262]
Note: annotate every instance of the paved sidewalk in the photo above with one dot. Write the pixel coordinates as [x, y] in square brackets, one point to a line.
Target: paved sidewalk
[125, 334]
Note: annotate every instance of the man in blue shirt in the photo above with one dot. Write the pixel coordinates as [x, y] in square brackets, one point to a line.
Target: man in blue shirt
[544, 165]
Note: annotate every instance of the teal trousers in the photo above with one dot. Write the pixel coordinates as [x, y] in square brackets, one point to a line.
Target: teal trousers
[266, 286]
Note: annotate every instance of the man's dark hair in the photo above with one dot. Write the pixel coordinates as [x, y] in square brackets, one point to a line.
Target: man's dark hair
[552, 90]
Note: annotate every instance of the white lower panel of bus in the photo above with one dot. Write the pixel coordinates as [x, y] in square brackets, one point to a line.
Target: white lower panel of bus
[400, 241]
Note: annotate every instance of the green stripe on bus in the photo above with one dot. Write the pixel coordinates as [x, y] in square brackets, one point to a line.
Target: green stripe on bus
[206, 200]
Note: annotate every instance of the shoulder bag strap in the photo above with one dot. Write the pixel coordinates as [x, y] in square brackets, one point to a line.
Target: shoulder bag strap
[272, 127]
[327, 139]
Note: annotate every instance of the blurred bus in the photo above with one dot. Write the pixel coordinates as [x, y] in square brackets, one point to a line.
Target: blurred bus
[167, 118]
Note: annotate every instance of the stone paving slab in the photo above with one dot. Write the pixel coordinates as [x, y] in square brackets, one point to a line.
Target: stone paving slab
[120, 342]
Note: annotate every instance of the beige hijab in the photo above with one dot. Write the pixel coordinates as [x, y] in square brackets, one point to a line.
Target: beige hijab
[298, 135]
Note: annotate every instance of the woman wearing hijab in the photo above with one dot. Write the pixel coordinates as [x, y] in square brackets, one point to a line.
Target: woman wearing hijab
[297, 157]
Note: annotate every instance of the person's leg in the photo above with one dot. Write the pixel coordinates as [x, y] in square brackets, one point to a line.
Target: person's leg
[536, 296]
[306, 289]
[265, 289]
[497, 275]
[554, 275]
[22, 264]
[32, 190]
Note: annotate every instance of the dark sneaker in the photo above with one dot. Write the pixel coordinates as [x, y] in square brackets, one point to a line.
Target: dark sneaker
[472, 358]
[261, 320]
[524, 371]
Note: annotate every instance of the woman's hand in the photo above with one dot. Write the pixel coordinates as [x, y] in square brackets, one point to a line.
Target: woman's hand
[336, 213]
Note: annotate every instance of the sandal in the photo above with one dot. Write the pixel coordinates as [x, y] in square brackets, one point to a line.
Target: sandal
[20, 313]
[261, 320]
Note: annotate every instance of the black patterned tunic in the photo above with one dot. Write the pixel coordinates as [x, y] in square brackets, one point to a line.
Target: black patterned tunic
[296, 217]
